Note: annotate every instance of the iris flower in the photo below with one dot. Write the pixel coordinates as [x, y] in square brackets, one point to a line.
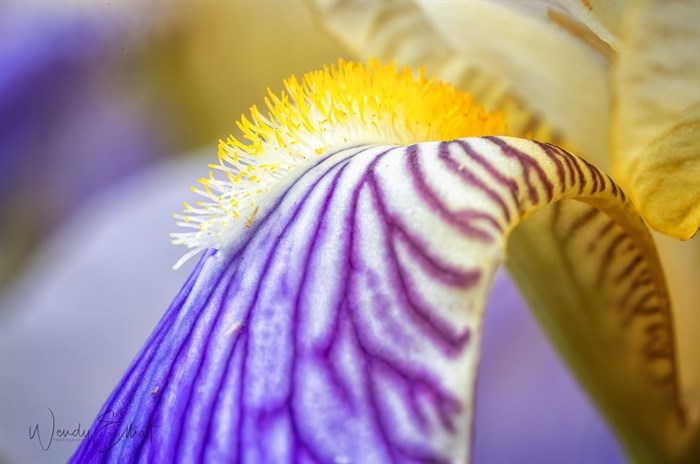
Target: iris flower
[350, 239]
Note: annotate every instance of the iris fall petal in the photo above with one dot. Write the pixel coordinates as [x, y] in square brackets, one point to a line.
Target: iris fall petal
[344, 324]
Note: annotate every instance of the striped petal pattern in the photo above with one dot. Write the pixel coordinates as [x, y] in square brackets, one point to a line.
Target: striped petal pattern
[344, 324]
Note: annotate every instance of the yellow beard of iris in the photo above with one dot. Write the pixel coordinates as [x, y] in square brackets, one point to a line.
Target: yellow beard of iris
[349, 104]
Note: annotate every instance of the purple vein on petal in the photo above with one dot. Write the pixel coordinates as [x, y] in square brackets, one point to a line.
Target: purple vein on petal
[440, 332]
[214, 325]
[527, 163]
[498, 177]
[469, 178]
[243, 371]
[298, 306]
[462, 220]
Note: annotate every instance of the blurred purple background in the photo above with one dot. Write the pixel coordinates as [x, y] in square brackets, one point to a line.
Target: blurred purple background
[91, 92]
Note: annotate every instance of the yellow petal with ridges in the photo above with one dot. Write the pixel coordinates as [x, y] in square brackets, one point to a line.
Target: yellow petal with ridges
[665, 177]
[656, 126]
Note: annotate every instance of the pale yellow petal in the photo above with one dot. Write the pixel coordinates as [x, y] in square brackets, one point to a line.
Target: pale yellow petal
[543, 61]
[603, 17]
[665, 177]
[681, 263]
[656, 144]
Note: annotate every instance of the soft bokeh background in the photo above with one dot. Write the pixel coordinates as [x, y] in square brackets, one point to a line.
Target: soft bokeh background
[108, 112]
[93, 91]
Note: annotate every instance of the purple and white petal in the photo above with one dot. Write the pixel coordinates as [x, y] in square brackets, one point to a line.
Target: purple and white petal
[344, 324]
